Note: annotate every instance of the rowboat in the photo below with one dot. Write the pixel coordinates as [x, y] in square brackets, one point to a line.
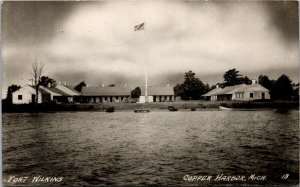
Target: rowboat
[141, 110]
[225, 108]
[172, 108]
[236, 109]
[110, 109]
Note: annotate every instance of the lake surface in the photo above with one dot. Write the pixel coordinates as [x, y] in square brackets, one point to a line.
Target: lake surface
[161, 148]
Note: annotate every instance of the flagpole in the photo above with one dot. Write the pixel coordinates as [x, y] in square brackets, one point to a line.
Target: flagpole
[146, 64]
[138, 28]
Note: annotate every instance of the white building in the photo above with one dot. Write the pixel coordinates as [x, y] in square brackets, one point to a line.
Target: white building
[52, 91]
[27, 94]
[240, 92]
[105, 94]
[158, 94]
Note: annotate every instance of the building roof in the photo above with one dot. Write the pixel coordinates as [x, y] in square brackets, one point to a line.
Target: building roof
[213, 92]
[106, 91]
[72, 89]
[40, 90]
[54, 90]
[158, 90]
[250, 88]
[233, 89]
[69, 90]
[237, 88]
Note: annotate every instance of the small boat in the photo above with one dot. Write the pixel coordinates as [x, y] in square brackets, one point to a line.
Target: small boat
[110, 109]
[172, 108]
[141, 110]
[225, 108]
[193, 109]
[281, 111]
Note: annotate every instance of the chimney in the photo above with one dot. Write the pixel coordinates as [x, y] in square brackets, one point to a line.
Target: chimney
[217, 86]
[253, 82]
[65, 83]
[49, 84]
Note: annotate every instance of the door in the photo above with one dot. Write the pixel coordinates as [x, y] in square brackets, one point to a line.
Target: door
[263, 95]
[33, 98]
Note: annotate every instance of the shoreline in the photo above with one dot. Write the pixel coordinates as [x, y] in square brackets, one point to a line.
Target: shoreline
[159, 106]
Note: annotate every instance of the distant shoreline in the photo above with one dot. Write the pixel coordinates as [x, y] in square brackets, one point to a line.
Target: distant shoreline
[158, 106]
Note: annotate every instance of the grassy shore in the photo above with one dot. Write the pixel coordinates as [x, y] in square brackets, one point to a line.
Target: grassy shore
[181, 105]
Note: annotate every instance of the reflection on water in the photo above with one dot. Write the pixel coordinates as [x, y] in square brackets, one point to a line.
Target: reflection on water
[126, 148]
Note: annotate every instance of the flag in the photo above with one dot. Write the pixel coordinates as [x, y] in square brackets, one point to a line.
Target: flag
[139, 27]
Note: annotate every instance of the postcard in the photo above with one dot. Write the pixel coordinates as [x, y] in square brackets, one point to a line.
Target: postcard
[150, 93]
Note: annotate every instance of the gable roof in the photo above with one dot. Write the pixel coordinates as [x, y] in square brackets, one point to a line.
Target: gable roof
[40, 90]
[54, 90]
[229, 89]
[69, 90]
[213, 92]
[237, 88]
[72, 89]
[158, 90]
[250, 88]
[106, 91]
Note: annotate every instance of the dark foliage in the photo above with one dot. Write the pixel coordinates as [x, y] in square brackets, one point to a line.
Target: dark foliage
[178, 89]
[232, 77]
[79, 86]
[11, 89]
[136, 93]
[247, 81]
[283, 88]
[47, 81]
[280, 89]
[192, 88]
[267, 83]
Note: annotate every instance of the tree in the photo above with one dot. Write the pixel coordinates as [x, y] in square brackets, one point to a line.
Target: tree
[178, 89]
[247, 81]
[37, 71]
[192, 88]
[46, 81]
[283, 88]
[206, 88]
[267, 83]
[136, 93]
[79, 86]
[232, 77]
[11, 89]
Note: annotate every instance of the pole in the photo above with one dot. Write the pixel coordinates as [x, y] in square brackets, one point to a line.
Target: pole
[146, 65]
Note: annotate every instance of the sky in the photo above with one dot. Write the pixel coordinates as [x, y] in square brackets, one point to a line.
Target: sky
[95, 42]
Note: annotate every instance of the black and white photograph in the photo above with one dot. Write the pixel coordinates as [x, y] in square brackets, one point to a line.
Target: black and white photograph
[150, 93]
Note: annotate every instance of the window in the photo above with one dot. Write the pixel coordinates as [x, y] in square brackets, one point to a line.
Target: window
[251, 95]
[239, 95]
[19, 97]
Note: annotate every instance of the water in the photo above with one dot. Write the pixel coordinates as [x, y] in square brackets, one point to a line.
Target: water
[126, 148]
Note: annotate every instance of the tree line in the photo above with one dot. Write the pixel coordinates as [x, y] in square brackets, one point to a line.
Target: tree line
[190, 89]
